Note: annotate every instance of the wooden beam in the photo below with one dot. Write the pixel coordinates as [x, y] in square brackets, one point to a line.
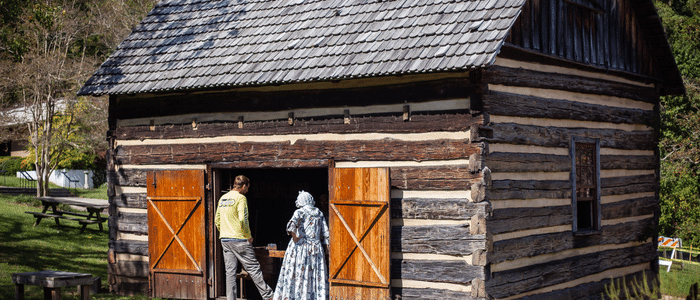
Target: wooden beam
[454, 240]
[507, 104]
[509, 133]
[301, 149]
[534, 245]
[453, 271]
[436, 208]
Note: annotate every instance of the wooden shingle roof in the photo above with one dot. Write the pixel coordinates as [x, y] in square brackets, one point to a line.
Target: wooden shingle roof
[194, 44]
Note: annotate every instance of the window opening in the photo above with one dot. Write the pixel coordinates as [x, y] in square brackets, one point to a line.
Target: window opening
[586, 185]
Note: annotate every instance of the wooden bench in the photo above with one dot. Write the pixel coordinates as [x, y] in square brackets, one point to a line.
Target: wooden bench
[92, 217]
[52, 281]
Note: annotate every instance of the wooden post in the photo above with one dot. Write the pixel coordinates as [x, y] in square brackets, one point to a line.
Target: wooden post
[52, 293]
[19, 291]
[85, 292]
[478, 192]
[478, 288]
[477, 225]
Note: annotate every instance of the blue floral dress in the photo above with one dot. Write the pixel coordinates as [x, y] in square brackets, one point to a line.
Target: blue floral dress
[304, 273]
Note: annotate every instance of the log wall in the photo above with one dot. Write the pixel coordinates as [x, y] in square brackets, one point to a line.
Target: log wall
[531, 113]
[421, 130]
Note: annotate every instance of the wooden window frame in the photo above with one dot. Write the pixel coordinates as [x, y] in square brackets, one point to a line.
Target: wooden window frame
[597, 216]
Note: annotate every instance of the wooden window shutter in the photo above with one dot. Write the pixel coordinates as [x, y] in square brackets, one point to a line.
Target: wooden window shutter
[176, 234]
[359, 222]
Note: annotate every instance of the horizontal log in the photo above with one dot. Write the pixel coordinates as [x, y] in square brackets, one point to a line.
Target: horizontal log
[535, 162]
[429, 293]
[131, 200]
[593, 290]
[525, 279]
[511, 133]
[517, 219]
[529, 189]
[629, 208]
[439, 178]
[386, 149]
[628, 185]
[527, 162]
[406, 178]
[128, 177]
[454, 240]
[130, 222]
[128, 107]
[458, 121]
[451, 271]
[534, 245]
[567, 82]
[507, 104]
[628, 162]
[280, 163]
[613, 182]
[129, 268]
[129, 247]
[561, 189]
[437, 209]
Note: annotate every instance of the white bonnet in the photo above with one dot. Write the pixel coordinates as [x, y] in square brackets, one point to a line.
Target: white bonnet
[304, 199]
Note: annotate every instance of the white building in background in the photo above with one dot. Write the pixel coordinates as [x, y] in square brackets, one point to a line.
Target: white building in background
[15, 143]
[65, 178]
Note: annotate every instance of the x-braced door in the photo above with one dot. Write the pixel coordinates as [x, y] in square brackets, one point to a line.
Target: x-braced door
[360, 242]
[176, 234]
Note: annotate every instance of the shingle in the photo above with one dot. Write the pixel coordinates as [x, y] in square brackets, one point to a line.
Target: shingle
[203, 43]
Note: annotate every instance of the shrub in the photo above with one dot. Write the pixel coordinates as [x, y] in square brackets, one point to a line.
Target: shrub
[12, 165]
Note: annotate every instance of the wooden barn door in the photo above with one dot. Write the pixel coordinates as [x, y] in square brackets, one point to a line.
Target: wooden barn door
[359, 229]
[176, 234]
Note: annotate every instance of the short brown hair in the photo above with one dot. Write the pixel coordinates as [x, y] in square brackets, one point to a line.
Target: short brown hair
[240, 182]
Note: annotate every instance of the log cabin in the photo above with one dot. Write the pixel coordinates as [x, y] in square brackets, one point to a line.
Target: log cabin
[490, 149]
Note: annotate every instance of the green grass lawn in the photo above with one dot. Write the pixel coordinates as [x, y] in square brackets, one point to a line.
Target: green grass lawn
[97, 193]
[25, 248]
[677, 282]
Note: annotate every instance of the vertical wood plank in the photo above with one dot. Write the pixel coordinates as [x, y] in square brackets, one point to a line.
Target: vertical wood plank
[177, 237]
[535, 24]
[600, 28]
[525, 15]
[614, 25]
[553, 21]
[360, 226]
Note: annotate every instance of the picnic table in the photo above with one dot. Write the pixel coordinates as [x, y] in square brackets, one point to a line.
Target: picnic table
[52, 281]
[93, 216]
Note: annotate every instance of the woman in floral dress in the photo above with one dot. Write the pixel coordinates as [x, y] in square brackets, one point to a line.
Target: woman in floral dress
[304, 273]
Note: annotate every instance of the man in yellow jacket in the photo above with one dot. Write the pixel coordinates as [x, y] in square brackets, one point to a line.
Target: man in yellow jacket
[232, 221]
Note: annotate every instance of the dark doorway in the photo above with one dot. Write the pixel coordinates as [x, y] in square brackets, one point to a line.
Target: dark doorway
[271, 204]
[5, 148]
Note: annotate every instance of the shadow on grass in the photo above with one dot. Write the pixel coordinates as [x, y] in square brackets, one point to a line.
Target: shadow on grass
[47, 246]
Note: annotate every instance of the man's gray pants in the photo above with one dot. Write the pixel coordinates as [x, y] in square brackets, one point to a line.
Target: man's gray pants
[236, 250]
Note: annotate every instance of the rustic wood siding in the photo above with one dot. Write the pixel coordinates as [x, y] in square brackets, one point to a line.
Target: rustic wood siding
[426, 148]
[608, 36]
[530, 123]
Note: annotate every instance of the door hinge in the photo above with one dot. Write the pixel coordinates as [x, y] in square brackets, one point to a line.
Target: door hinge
[206, 186]
[210, 282]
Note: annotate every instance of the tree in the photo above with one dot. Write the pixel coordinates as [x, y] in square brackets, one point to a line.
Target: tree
[680, 126]
[47, 51]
